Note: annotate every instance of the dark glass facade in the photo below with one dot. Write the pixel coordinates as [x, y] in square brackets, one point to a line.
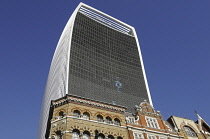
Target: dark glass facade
[105, 64]
[97, 57]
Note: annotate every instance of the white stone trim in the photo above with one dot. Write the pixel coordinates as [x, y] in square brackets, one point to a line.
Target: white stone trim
[88, 120]
[144, 130]
[139, 133]
[87, 102]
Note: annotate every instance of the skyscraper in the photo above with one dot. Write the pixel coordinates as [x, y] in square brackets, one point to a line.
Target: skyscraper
[97, 57]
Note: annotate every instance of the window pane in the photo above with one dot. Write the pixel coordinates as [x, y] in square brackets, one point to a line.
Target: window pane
[189, 131]
[152, 122]
[75, 135]
[85, 136]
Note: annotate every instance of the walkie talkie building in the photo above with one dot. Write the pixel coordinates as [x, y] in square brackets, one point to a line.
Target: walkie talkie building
[97, 57]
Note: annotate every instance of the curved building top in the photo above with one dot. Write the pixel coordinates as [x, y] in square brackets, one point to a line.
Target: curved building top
[97, 57]
[105, 19]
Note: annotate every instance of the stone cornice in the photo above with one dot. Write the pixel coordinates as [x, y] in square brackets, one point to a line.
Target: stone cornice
[72, 117]
[69, 99]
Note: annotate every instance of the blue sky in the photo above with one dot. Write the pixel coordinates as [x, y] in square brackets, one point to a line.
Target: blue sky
[175, 42]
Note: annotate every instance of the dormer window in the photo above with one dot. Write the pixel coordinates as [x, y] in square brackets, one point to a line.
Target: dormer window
[152, 122]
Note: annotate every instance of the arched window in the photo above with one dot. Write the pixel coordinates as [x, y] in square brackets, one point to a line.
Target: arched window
[58, 134]
[86, 115]
[75, 134]
[189, 131]
[110, 137]
[108, 120]
[76, 113]
[101, 136]
[86, 135]
[116, 121]
[100, 118]
[61, 114]
[119, 137]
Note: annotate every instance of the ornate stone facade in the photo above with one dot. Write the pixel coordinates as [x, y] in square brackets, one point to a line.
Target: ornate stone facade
[74, 117]
[203, 127]
[190, 129]
[148, 124]
[87, 118]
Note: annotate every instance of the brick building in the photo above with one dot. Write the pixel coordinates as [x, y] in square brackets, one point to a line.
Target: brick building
[74, 117]
[148, 124]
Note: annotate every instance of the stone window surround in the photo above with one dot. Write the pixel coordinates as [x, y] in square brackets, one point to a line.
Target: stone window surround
[154, 121]
[85, 118]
